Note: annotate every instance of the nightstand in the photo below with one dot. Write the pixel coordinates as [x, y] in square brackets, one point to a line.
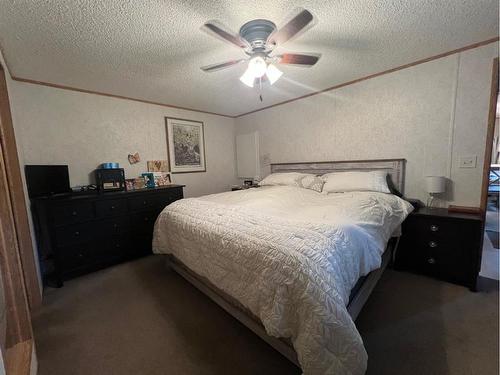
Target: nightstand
[442, 244]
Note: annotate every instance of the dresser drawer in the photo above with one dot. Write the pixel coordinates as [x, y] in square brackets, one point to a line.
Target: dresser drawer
[74, 212]
[169, 197]
[78, 256]
[141, 244]
[114, 227]
[110, 207]
[143, 222]
[116, 246]
[77, 233]
[143, 202]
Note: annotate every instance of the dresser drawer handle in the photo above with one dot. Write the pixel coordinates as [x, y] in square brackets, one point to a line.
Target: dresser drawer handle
[144, 202]
[117, 245]
[77, 233]
[112, 207]
[434, 228]
[74, 213]
[431, 261]
[115, 225]
[433, 244]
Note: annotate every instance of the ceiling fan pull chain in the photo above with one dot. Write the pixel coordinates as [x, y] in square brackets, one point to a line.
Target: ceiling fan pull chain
[260, 88]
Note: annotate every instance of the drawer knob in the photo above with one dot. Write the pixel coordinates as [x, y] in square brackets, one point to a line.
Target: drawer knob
[112, 207]
[117, 245]
[77, 233]
[433, 244]
[434, 228]
[115, 225]
[74, 213]
[144, 202]
[431, 261]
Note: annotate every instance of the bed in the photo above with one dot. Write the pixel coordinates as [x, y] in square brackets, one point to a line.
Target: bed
[294, 265]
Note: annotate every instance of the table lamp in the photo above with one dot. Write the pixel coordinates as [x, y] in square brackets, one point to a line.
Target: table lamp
[435, 185]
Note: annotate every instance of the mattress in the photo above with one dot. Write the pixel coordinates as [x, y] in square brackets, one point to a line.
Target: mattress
[291, 257]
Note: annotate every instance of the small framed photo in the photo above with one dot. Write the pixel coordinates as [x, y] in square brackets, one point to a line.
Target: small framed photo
[157, 165]
[129, 184]
[139, 183]
[149, 179]
[162, 178]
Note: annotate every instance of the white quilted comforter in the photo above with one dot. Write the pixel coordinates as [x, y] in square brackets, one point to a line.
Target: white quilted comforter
[291, 256]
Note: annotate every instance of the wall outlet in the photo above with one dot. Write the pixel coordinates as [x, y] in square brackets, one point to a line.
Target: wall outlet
[468, 161]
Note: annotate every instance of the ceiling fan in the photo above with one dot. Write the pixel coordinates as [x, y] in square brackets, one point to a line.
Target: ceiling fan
[258, 38]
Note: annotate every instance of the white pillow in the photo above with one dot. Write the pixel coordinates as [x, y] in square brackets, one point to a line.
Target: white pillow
[303, 180]
[287, 179]
[355, 181]
[312, 182]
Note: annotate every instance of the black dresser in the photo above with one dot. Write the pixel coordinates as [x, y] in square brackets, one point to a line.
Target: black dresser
[80, 233]
[442, 244]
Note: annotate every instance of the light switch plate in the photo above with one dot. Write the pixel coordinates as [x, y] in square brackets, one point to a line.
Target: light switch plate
[468, 161]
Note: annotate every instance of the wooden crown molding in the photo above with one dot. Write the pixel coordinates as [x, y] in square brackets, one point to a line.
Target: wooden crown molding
[392, 70]
[70, 88]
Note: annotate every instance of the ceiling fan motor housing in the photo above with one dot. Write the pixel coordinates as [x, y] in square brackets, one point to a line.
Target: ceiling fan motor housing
[256, 33]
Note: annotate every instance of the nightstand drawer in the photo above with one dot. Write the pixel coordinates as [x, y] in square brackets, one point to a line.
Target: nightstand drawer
[450, 263]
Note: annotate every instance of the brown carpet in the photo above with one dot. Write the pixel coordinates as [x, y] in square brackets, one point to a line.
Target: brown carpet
[139, 318]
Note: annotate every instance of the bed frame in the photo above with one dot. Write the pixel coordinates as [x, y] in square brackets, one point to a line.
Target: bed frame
[395, 169]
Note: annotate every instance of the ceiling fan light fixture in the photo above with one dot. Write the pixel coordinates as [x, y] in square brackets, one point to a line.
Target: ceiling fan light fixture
[273, 73]
[257, 66]
[248, 78]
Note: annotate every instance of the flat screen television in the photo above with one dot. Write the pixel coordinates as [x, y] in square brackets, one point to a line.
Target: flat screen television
[44, 180]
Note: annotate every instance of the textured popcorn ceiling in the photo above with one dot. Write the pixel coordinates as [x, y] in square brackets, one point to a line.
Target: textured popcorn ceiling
[152, 50]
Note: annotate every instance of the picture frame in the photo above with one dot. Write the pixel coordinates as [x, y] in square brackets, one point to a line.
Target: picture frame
[162, 179]
[157, 165]
[139, 183]
[129, 184]
[149, 179]
[185, 145]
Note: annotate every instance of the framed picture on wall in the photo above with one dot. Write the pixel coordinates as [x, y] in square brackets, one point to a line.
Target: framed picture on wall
[186, 145]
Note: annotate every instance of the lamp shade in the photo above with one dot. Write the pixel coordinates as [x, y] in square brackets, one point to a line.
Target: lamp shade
[435, 184]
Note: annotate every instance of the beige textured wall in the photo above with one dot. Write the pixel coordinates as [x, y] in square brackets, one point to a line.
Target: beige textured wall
[430, 114]
[55, 126]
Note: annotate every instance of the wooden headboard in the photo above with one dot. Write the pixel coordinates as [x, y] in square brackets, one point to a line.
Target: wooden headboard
[395, 168]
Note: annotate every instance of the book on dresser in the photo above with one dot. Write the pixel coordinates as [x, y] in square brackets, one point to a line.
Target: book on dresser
[81, 233]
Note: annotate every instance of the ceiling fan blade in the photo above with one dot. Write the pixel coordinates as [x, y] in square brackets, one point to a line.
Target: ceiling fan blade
[224, 65]
[221, 32]
[296, 24]
[298, 59]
